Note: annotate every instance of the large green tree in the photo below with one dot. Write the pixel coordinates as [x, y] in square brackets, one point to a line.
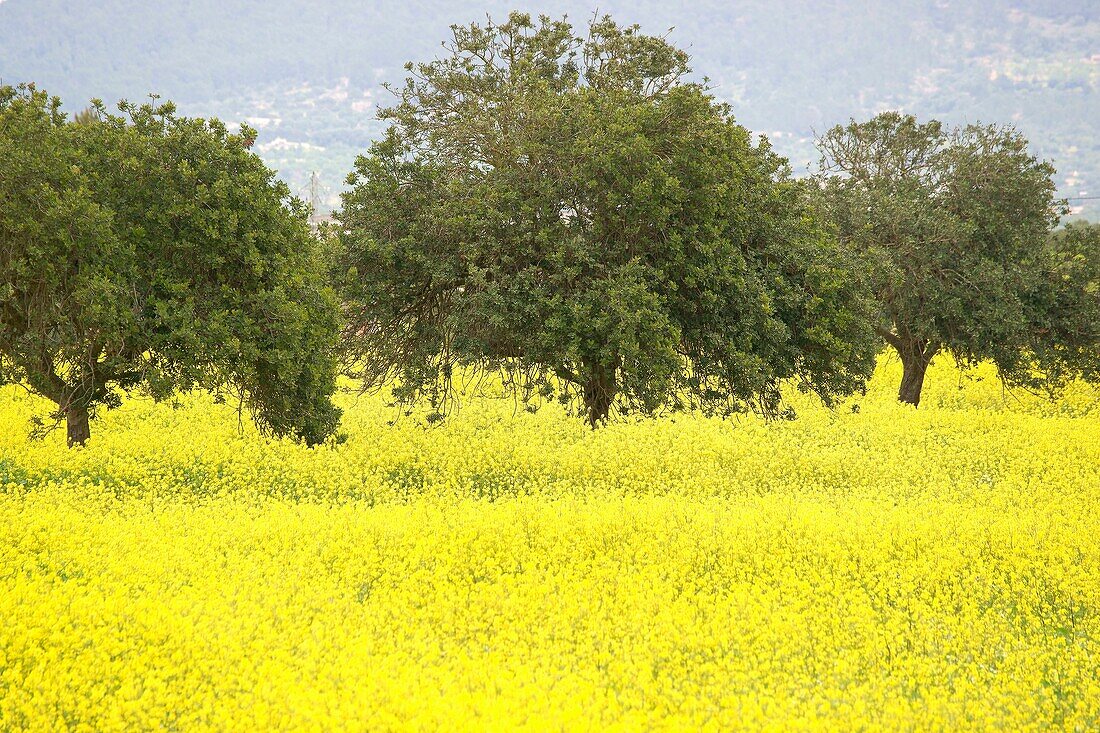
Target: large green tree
[573, 211]
[147, 251]
[955, 229]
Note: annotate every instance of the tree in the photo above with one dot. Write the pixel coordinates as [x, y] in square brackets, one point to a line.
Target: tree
[575, 213]
[153, 252]
[954, 226]
[1065, 333]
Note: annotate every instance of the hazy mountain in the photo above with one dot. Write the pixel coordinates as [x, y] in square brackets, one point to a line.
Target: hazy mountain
[308, 74]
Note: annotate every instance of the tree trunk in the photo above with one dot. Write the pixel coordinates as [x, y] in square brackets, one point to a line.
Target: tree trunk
[915, 357]
[76, 425]
[599, 392]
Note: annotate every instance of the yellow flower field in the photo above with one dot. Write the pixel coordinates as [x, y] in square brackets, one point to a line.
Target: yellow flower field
[886, 569]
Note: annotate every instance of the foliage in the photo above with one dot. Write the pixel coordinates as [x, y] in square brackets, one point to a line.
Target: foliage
[954, 226]
[1067, 341]
[572, 211]
[886, 569]
[149, 251]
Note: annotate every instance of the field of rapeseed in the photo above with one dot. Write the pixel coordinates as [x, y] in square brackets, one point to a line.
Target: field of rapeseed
[875, 569]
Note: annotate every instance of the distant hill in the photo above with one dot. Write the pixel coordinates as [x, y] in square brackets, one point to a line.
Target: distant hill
[308, 74]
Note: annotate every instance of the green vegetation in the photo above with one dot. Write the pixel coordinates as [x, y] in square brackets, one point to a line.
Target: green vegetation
[153, 252]
[955, 229]
[568, 209]
[580, 213]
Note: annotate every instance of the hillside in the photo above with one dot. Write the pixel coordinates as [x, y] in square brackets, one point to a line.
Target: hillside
[308, 75]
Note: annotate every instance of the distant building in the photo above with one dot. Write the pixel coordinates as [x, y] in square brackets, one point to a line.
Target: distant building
[317, 218]
[316, 193]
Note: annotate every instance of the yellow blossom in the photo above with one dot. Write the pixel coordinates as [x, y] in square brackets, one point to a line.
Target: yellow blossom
[879, 569]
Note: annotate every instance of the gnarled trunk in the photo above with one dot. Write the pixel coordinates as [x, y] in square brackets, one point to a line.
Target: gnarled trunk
[915, 358]
[77, 427]
[598, 391]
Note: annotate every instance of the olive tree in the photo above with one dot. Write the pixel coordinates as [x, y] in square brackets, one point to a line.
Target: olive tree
[574, 212]
[145, 251]
[954, 226]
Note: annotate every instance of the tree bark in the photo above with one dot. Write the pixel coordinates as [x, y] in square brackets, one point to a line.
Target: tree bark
[915, 357]
[599, 391]
[76, 425]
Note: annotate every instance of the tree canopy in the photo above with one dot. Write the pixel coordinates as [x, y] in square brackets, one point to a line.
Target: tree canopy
[574, 212]
[954, 226]
[146, 251]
